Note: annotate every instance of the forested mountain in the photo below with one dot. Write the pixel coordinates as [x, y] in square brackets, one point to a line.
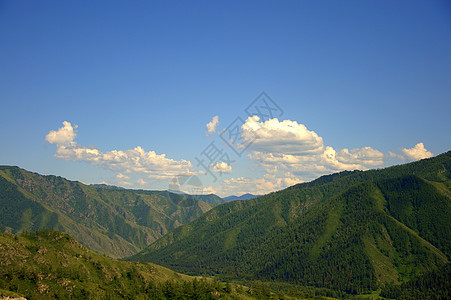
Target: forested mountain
[242, 197]
[350, 231]
[434, 284]
[52, 265]
[113, 221]
[184, 199]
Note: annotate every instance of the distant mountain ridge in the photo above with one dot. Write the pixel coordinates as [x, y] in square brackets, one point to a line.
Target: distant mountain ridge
[207, 198]
[110, 220]
[246, 196]
[352, 231]
[106, 186]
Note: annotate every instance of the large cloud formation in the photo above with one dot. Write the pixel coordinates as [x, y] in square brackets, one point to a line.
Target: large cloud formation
[287, 151]
[290, 148]
[417, 152]
[135, 160]
[290, 152]
[286, 137]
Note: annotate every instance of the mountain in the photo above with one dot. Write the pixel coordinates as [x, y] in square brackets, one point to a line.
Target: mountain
[435, 284]
[174, 196]
[52, 265]
[107, 187]
[208, 198]
[109, 220]
[350, 231]
[242, 197]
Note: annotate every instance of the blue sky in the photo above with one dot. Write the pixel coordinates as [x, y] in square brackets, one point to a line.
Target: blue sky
[362, 84]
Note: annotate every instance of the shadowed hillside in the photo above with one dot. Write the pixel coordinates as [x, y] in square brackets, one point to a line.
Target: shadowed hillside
[112, 221]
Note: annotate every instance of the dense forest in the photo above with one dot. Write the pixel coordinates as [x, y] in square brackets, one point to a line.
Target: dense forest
[432, 285]
[353, 232]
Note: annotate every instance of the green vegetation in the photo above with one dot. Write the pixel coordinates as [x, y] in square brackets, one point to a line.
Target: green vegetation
[112, 221]
[352, 232]
[52, 265]
[432, 285]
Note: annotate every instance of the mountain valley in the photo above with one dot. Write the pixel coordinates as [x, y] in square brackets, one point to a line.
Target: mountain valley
[384, 231]
[113, 221]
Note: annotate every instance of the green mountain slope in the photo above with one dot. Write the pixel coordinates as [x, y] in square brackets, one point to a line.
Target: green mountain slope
[432, 285]
[350, 231]
[53, 265]
[116, 222]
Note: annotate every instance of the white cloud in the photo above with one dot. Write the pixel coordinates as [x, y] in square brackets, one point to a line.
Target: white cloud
[221, 167]
[190, 185]
[288, 149]
[125, 183]
[135, 160]
[306, 166]
[141, 182]
[395, 155]
[200, 191]
[331, 162]
[365, 156]
[286, 137]
[417, 152]
[208, 190]
[257, 186]
[63, 136]
[241, 185]
[122, 176]
[212, 125]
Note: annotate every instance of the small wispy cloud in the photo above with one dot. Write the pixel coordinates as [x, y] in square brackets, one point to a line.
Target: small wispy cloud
[212, 125]
[395, 155]
[141, 182]
[122, 176]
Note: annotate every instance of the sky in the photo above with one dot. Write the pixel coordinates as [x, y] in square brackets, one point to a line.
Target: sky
[243, 96]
